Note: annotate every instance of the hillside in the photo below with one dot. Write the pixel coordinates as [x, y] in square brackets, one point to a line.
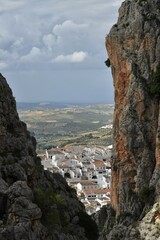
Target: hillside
[75, 124]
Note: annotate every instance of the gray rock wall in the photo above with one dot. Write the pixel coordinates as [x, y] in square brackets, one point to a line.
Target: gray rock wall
[133, 47]
[134, 51]
[34, 204]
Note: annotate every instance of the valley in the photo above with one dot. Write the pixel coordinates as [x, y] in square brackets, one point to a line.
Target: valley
[64, 125]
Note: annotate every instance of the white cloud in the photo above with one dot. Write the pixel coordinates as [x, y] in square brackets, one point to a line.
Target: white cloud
[3, 65]
[49, 41]
[75, 57]
[33, 55]
[4, 54]
[9, 5]
[36, 32]
[18, 42]
[70, 36]
[68, 26]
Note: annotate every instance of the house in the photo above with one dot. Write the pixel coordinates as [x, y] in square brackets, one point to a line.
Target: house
[73, 162]
[108, 164]
[72, 183]
[102, 194]
[102, 181]
[47, 165]
[82, 185]
[88, 173]
[90, 195]
[107, 181]
[87, 185]
[100, 166]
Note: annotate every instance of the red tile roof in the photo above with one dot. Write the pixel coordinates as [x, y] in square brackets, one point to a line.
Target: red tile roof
[99, 163]
[97, 191]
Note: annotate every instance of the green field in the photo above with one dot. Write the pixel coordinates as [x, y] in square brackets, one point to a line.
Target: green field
[75, 125]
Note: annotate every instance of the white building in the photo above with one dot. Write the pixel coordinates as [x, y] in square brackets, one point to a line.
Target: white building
[102, 194]
[87, 185]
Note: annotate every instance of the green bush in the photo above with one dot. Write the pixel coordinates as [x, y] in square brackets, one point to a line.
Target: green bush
[108, 63]
[154, 84]
[51, 205]
[146, 194]
[91, 229]
[140, 2]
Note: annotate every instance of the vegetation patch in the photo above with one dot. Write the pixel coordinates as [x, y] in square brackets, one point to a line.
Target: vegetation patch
[77, 125]
[146, 194]
[107, 62]
[52, 207]
[149, 17]
[91, 229]
[140, 2]
[154, 84]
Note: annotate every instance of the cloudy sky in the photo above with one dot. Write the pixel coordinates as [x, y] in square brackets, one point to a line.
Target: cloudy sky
[54, 50]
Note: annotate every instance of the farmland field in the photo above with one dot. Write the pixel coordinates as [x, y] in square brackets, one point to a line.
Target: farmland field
[70, 124]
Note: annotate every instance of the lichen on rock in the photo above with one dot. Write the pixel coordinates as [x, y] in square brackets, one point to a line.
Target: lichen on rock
[149, 227]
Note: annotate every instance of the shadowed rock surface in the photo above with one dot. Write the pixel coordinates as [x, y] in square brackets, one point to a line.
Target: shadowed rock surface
[34, 204]
[133, 47]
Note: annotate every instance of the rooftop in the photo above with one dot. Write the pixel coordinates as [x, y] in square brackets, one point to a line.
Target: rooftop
[99, 163]
[83, 182]
[97, 191]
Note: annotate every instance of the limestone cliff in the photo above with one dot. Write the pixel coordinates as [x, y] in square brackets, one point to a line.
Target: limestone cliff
[34, 204]
[133, 47]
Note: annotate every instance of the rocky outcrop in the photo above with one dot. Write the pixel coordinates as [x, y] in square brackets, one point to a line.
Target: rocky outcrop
[34, 204]
[133, 47]
[149, 227]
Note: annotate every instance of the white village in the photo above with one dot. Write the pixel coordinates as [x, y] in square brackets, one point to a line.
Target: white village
[86, 169]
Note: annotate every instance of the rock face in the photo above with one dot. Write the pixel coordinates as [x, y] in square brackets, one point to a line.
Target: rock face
[133, 47]
[34, 204]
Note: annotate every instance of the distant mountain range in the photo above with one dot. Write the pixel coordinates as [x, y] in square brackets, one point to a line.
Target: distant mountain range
[31, 105]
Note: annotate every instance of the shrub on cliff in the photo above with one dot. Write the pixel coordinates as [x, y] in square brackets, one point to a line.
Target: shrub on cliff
[154, 84]
[51, 205]
[146, 194]
[107, 62]
[91, 229]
